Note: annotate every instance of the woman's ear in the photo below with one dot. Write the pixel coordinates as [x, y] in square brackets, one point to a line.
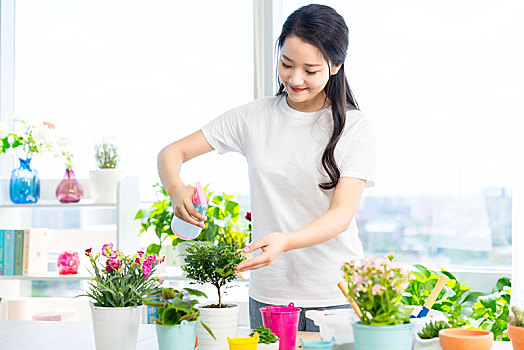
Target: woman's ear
[335, 69]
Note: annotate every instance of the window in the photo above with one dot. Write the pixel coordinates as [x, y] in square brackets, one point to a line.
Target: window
[443, 83]
[143, 75]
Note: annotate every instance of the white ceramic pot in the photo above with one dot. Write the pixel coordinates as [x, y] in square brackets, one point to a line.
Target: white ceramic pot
[427, 344]
[103, 185]
[272, 346]
[115, 327]
[223, 322]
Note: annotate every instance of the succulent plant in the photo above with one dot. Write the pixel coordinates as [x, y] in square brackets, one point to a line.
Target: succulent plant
[517, 319]
[265, 335]
[432, 328]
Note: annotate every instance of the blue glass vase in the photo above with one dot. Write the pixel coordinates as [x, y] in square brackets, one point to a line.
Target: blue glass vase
[24, 186]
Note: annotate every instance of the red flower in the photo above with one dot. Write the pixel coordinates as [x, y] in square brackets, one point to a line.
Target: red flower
[88, 251]
[248, 216]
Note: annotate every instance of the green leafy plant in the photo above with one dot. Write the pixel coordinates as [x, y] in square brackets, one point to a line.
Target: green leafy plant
[432, 328]
[517, 319]
[106, 155]
[265, 335]
[374, 284]
[455, 299]
[491, 311]
[121, 280]
[27, 138]
[222, 224]
[158, 217]
[172, 309]
[214, 264]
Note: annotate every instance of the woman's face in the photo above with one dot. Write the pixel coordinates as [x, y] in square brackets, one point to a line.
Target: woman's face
[304, 72]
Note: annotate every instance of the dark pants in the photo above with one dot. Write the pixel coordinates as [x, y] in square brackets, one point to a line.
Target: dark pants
[304, 324]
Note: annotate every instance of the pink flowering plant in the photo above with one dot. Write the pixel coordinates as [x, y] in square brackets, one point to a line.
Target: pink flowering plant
[119, 280]
[376, 285]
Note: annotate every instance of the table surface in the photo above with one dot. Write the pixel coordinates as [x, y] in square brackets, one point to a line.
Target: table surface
[48, 335]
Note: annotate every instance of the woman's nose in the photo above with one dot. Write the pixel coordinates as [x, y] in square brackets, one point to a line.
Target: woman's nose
[295, 79]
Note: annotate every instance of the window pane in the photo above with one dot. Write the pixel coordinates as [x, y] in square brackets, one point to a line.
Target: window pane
[443, 82]
[146, 75]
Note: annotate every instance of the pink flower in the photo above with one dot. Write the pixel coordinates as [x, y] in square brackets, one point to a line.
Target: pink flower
[113, 264]
[377, 289]
[107, 250]
[248, 216]
[50, 125]
[140, 253]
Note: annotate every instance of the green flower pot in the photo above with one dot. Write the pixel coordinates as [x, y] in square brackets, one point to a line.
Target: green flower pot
[395, 337]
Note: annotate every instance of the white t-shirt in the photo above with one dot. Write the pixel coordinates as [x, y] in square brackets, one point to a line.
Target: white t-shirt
[284, 148]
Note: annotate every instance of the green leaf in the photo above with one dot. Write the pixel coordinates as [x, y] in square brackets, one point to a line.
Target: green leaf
[153, 249]
[451, 277]
[140, 214]
[424, 270]
[503, 282]
[206, 327]
[195, 292]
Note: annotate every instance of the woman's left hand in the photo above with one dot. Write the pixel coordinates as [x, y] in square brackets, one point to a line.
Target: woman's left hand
[271, 244]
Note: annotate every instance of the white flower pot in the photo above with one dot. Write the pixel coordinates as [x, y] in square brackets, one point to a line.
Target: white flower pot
[427, 344]
[272, 346]
[223, 322]
[103, 185]
[115, 327]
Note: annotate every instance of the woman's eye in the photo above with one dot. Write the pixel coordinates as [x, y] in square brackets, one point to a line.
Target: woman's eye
[285, 65]
[311, 73]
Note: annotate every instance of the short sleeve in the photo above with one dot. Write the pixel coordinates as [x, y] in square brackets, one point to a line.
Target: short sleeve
[360, 152]
[227, 132]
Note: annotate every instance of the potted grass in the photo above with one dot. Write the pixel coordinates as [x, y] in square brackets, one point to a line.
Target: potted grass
[516, 328]
[427, 338]
[118, 289]
[375, 284]
[267, 340]
[103, 181]
[177, 318]
[214, 264]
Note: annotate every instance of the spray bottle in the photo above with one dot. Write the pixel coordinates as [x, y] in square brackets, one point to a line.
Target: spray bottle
[185, 230]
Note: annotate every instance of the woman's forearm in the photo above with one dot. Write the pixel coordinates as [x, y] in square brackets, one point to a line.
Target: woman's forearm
[169, 162]
[325, 227]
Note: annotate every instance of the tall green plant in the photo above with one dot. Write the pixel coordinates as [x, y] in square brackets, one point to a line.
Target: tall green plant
[455, 299]
[491, 311]
[214, 264]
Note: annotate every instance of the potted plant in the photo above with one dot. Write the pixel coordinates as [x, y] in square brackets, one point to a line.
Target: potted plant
[267, 340]
[25, 141]
[104, 180]
[427, 338]
[176, 319]
[516, 328]
[69, 190]
[214, 264]
[375, 284]
[118, 288]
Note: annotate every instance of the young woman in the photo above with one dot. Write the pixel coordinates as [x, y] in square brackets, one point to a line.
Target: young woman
[310, 153]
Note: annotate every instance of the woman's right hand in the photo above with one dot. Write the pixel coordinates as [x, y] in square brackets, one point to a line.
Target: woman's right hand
[184, 208]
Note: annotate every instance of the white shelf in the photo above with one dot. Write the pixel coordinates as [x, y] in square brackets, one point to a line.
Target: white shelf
[57, 277]
[55, 204]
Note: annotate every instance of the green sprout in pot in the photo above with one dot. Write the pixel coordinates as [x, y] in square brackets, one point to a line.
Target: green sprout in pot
[172, 309]
[214, 264]
[106, 155]
[431, 329]
[265, 335]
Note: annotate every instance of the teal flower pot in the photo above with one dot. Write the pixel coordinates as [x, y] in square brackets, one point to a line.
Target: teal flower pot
[395, 337]
[180, 337]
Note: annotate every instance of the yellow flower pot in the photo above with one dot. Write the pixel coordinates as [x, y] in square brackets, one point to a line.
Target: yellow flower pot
[248, 343]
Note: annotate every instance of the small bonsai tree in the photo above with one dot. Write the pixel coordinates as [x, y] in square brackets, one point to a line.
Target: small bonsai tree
[265, 335]
[517, 319]
[214, 264]
[106, 155]
[172, 309]
[431, 329]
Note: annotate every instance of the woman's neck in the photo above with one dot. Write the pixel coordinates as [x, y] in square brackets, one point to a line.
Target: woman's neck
[312, 105]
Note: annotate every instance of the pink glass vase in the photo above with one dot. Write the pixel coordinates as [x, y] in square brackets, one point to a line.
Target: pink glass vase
[69, 189]
[67, 263]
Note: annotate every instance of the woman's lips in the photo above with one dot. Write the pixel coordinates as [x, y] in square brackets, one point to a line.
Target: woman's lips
[296, 89]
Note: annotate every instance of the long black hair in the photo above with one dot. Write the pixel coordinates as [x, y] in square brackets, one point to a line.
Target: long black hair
[322, 27]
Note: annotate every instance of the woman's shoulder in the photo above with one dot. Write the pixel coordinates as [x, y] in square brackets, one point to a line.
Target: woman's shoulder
[356, 119]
